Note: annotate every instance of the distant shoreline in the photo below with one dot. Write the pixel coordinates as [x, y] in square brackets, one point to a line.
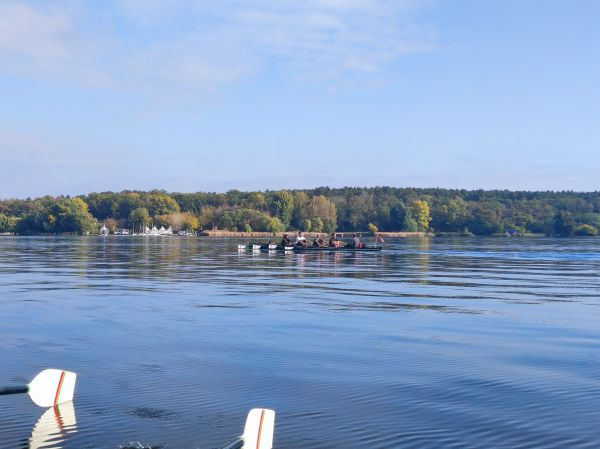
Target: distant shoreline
[399, 212]
[220, 233]
[278, 235]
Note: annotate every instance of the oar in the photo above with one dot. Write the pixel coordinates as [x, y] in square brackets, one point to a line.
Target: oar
[48, 388]
[258, 432]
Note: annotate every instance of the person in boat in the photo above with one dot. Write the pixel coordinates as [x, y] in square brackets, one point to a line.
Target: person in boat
[285, 241]
[355, 242]
[300, 240]
[334, 242]
[318, 242]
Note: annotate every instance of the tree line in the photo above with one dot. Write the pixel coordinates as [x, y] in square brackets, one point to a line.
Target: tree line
[467, 212]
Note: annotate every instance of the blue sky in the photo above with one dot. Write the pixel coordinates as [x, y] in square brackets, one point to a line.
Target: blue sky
[189, 95]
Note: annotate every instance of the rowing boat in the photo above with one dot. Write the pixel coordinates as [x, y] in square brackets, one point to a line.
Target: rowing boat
[334, 249]
[302, 249]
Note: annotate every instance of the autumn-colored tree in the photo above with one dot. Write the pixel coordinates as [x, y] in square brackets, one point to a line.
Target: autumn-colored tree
[189, 222]
[163, 220]
[7, 224]
[206, 217]
[257, 200]
[586, 230]
[323, 209]
[420, 212]
[111, 224]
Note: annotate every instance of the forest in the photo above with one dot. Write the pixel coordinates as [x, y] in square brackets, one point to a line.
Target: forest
[324, 209]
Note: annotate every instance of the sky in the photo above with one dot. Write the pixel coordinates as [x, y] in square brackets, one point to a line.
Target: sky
[201, 95]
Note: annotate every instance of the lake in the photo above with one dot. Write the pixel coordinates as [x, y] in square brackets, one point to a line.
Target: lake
[433, 343]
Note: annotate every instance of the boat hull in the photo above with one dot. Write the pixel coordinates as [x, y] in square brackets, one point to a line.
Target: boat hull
[312, 249]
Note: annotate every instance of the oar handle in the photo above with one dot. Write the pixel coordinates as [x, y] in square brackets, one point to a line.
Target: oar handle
[13, 390]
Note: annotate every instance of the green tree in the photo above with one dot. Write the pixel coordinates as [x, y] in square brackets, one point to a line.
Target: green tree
[564, 224]
[301, 210]
[450, 216]
[160, 204]
[483, 220]
[402, 219]
[58, 215]
[306, 224]
[242, 219]
[317, 225]
[274, 224]
[281, 205]
[72, 215]
[139, 217]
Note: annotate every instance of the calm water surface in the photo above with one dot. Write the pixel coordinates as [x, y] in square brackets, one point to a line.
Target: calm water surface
[464, 343]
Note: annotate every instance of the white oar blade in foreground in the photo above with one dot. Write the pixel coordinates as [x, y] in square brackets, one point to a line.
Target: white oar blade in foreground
[52, 387]
[260, 425]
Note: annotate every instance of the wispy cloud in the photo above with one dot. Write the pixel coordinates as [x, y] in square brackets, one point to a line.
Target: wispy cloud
[198, 46]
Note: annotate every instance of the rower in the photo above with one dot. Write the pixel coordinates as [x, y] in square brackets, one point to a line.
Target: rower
[355, 242]
[333, 241]
[285, 241]
[300, 240]
[318, 242]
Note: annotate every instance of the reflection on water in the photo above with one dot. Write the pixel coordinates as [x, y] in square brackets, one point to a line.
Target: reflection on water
[53, 427]
[431, 343]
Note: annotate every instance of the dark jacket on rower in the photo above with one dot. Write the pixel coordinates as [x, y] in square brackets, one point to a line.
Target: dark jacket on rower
[285, 241]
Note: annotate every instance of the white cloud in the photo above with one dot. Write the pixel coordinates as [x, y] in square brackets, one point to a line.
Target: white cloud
[193, 46]
[25, 30]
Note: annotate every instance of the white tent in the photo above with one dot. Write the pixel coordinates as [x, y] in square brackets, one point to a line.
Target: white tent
[104, 230]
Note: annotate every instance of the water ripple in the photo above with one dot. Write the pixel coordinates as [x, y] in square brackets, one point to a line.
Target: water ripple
[454, 343]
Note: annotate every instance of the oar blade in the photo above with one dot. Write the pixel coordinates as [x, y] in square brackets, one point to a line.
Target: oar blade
[260, 426]
[52, 387]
